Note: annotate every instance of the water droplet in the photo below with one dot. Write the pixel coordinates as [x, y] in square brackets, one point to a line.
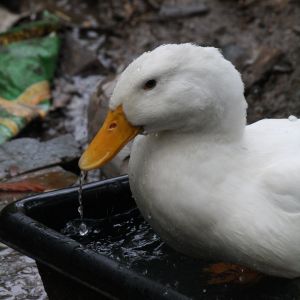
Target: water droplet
[80, 210]
[82, 178]
[145, 272]
[83, 230]
[204, 291]
[292, 118]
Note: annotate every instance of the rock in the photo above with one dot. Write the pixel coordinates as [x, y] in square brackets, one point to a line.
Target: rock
[296, 29]
[181, 10]
[263, 63]
[98, 105]
[78, 59]
[236, 54]
[76, 112]
[293, 94]
[62, 92]
[7, 19]
[27, 154]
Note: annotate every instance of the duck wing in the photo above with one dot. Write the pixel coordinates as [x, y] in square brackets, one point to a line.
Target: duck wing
[282, 183]
[275, 145]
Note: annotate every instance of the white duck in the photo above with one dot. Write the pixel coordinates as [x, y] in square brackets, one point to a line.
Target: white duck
[208, 184]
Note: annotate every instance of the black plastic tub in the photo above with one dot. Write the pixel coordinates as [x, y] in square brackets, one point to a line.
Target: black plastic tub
[70, 270]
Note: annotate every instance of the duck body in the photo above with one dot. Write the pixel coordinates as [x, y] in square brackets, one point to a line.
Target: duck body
[231, 200]
[211, 186]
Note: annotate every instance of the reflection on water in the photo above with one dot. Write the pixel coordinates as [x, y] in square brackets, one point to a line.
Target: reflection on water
[19, 278]
[129, 240]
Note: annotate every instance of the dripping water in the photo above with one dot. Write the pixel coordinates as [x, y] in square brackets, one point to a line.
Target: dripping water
[81, 182]
[83, 230]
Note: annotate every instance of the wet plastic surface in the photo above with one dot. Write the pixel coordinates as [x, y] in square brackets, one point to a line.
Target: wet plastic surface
[73, 267]
[128, 239]
[31, 226]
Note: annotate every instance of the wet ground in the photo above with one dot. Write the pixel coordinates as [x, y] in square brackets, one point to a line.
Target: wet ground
[19, 278]
[100, 38]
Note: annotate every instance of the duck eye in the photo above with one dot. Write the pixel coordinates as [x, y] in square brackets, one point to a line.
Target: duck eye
[150, 84]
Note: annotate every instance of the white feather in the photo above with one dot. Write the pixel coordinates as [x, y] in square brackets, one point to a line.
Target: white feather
[210, 185]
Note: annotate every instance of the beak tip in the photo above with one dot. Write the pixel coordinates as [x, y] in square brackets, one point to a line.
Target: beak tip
[88, 162]
[82, 164]
[115, 132]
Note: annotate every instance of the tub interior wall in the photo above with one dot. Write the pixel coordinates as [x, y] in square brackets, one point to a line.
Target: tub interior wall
[98, 203]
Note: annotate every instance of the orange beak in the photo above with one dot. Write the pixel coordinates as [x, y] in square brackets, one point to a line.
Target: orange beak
[115, 133]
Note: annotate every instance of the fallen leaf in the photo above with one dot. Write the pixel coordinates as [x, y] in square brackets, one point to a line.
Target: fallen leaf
[22, 186]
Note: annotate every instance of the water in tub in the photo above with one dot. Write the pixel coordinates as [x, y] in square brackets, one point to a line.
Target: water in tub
[128, 239]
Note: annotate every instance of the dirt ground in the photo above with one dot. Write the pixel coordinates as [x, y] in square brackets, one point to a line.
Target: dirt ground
[261, 38]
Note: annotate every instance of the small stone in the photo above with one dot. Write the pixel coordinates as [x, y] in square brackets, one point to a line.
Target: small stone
[29, 154]
[183, 10]
[296, 29]
[7, 19]
[263, 63]
[78, 59]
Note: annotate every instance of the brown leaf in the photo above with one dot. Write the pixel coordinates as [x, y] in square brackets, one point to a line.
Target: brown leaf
[22, 186]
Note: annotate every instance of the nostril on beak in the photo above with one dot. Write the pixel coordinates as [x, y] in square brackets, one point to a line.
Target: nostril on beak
[113, 125]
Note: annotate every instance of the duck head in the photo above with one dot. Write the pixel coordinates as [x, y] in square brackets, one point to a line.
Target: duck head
[174, 88]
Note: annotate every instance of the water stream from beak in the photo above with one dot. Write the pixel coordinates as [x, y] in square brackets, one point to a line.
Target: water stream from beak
[83, 230]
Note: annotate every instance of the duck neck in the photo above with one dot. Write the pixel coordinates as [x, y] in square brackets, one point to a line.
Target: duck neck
[231, 133]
